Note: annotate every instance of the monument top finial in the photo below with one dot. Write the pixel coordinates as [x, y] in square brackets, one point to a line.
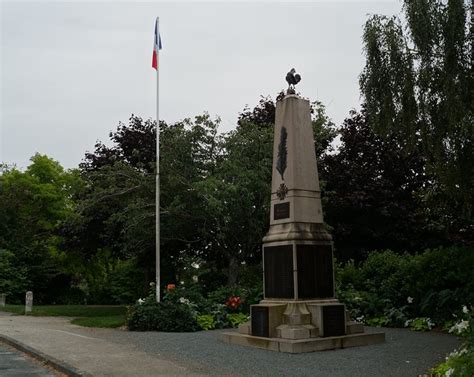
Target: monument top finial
[292, 78]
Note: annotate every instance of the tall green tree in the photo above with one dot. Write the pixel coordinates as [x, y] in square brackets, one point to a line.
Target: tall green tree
[373, 197]
[214, 194]
[34, 204]
[116, 217]
[236, 198]
[418, 84]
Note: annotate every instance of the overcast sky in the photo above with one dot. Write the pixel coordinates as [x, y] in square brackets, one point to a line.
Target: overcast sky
[70, 71]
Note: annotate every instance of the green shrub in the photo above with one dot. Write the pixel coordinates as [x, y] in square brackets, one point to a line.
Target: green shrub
[125, 282]
[222, 294]
[172, 314]
[420, 324]
[402, 287]
[460, 362]
[378, 321]
[235, 319]
[164, 316]
[13, 278]
[220, 315]
[206, 321]
[248, 296]
[191, 295]
[185, 309]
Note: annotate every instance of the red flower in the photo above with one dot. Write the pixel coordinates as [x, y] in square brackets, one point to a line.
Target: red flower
[233, 302]
[170, 287]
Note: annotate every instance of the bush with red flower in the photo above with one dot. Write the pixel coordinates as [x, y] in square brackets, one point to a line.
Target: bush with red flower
[234, 303]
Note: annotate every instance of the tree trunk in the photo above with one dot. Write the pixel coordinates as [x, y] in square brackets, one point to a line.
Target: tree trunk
[233, 271]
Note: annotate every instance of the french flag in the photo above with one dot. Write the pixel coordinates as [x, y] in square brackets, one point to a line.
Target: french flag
[156, 46]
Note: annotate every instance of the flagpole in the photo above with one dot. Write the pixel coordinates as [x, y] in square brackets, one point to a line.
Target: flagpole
[157, 209]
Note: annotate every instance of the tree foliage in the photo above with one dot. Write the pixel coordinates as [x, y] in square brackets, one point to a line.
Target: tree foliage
[418, 84]
[215, 192]
[34, 204]
[374, 194]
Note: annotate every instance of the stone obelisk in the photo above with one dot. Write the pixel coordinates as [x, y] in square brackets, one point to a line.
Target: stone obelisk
[299, 312]
[297, 250]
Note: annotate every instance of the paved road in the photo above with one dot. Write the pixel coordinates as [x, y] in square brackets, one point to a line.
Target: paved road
[14, 363]
[86, 349]
[107, 352]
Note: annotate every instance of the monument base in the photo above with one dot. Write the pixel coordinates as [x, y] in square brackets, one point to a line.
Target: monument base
[302, 345]
[299, 326]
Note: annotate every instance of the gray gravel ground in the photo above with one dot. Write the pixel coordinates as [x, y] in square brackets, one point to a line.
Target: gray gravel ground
[405, 353]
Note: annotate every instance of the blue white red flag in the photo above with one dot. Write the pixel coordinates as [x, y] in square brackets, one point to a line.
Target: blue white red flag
[156, 46]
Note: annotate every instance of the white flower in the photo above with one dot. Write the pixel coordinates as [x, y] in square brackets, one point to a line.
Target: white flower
[183, 300]
[449, 372]
[141, 301]
[463, 325]
[465, 310]
[409, 299]
[462, 352]
[459, 327]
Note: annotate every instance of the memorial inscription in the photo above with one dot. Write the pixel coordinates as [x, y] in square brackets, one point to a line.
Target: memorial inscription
[278, 271]
[281, 211]
[333, 320]
[260, 321]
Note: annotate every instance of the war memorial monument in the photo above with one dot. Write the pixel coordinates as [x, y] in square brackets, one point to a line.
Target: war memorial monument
[299, 312]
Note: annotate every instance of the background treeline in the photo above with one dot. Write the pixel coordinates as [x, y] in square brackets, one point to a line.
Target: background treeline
[397, 175]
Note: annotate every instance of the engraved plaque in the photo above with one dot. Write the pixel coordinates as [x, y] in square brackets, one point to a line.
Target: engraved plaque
[315, 271]
[281, 211]
[278, 265]
[259, 316]
[334, 323]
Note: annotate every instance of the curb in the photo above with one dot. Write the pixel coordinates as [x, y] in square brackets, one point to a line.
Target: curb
[45, 359]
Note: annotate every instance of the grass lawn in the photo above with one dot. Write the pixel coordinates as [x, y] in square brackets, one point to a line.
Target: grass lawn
[89, 315]
[111, 321]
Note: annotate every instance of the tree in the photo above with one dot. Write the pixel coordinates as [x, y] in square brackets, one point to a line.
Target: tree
[215, 191]
[373, 194]
[116, 217]
[418, 85]
[133, 143]
[237, 198]
[34, 204]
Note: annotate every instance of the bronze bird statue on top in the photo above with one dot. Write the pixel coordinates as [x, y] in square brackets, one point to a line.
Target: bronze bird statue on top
[292, 78]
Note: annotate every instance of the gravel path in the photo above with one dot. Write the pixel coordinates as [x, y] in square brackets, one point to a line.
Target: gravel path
[108, 352]
[405, 353]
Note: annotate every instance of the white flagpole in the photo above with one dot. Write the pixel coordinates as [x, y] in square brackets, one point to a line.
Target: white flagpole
[157, 235]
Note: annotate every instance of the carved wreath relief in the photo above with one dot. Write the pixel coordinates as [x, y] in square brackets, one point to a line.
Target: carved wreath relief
[282, 191]
[282, 152]
[281, 163]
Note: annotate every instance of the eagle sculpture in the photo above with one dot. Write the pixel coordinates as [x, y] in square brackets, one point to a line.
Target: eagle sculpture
[292, 78]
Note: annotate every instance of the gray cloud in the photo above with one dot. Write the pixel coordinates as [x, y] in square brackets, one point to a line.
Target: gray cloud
[72, 71]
